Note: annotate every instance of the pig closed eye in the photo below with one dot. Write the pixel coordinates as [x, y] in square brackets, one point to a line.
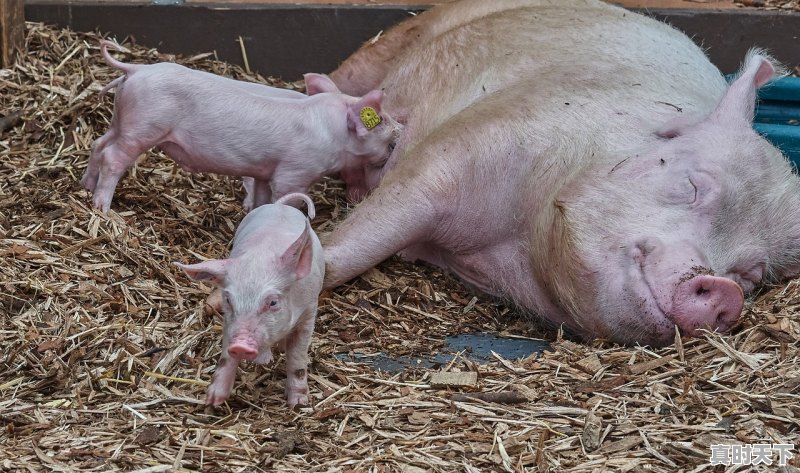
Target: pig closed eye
[682, 191]
[752, 277]
[391, 147]
[706, 189]
[694, 193]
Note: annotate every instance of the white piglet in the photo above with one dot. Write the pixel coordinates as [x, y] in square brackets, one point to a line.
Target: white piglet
[269, 287]
[284, 140]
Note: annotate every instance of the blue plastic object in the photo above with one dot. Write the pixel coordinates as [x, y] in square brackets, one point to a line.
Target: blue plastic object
[778, 116]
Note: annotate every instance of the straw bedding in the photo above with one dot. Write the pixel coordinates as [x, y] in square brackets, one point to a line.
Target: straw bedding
[107, 348]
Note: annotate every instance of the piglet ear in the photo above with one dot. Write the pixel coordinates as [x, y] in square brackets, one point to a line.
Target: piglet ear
[365, 114]
[211, 271]
[298, 256]
[739, 101]
[319, 83]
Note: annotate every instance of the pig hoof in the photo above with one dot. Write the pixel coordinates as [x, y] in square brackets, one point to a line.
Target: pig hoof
[86, 184]
[215, 399]
[217, 395]
[101, 205]
[297, 399]
[247, 203]
[213, 303]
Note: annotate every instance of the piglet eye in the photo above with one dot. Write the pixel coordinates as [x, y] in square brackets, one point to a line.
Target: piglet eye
[391, 146]
[271, 304]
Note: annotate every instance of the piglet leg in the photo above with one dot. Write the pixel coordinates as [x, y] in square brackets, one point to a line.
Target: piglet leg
[113, 161]
[222, 382]
[89, 179]
[297, 344]
[258, 192]
[285, 181]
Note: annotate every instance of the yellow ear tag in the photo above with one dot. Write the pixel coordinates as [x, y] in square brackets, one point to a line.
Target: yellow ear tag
[369, 117]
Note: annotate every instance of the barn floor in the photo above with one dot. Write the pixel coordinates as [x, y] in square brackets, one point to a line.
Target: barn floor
[107, 349]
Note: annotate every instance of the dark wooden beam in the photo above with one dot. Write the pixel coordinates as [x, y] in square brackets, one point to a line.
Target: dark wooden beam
[12, 30]
[286, 41]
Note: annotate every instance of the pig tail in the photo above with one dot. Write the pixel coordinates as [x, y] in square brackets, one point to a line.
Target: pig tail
[298, 195]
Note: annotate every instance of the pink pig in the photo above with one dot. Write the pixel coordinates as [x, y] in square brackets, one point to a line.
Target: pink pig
[211, 124]
[269, 289]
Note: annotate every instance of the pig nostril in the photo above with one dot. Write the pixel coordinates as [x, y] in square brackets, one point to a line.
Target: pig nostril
[701, 290]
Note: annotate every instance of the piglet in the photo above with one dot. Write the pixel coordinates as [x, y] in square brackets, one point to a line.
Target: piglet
[284, 141]
[269, 286]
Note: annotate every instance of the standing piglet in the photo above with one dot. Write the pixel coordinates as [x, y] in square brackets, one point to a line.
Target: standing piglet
[269, 289]
[207, 124]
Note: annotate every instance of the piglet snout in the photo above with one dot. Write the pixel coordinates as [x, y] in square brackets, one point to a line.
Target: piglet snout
[243, 349]
[706, 302]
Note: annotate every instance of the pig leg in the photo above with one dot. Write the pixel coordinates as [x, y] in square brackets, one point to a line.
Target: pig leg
[260, 194]
[297, 344]
[287, 181]
[224, 375]
[248, 183]
[114, 161]
[396, 215]
[89, 179]
[222, 382]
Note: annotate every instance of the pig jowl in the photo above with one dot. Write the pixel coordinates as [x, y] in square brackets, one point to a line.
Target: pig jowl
[601, 174]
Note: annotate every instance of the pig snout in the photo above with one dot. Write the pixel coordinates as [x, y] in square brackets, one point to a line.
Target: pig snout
[706, 302]
[243, 349]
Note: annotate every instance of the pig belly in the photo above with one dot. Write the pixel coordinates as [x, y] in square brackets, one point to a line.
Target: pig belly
[497, 263]
[218, 164]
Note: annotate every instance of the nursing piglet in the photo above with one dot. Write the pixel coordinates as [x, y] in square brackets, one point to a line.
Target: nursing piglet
[269, 288]
[284, 142]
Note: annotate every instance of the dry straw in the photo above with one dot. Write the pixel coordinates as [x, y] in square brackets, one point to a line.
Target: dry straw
[106, 348]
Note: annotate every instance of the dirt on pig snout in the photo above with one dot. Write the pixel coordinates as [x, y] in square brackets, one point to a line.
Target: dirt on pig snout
[107, 351]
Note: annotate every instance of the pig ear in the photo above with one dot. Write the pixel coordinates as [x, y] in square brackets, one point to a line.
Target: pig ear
[297, 257]
[740, 99]
[359, 116]
[319, 83]
[212, 271]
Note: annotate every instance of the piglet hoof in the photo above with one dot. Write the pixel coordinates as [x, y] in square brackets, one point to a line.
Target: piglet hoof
[87, 183]
[213, 303]
[295, 399]
[216, 397]
[101, 204]
[217, 394]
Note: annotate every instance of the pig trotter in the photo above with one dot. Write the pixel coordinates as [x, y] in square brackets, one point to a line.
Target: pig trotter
[298, 395]
[297, 361]
[112, 164]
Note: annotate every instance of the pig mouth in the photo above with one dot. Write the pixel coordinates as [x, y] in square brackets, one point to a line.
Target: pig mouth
[696, 300]
[664, 303]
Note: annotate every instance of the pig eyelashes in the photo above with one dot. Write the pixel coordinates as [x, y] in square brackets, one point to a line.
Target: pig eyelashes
[271, 304]
[752, 277]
